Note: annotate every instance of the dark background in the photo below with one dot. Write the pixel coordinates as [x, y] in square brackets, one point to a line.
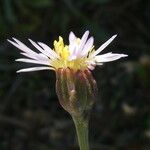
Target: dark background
[30, 115]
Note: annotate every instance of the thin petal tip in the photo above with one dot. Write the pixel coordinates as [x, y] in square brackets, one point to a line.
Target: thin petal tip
[87, 31]
[124, 55]
[17, 59]
[14, 38]
[18, 71]
[114, 36]
[9, 40]
[71, 32]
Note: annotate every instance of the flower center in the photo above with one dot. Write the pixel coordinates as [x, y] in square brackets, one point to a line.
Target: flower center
[78, 40]
[63, 62]
[61, 49]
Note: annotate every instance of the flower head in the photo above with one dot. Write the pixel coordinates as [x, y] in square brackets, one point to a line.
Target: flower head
[79, 54]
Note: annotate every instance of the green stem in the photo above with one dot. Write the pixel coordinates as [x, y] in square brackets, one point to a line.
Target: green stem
[81, 126]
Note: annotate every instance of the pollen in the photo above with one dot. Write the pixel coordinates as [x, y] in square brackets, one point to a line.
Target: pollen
[61, 49]
[78, 41]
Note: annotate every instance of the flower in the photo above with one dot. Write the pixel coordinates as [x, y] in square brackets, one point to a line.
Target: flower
[79, 54]
[75, 86]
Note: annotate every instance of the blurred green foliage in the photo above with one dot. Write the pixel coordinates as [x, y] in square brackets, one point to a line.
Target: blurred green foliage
[30, 115]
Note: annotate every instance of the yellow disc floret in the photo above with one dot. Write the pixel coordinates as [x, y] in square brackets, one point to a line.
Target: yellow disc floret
[63, 62]
[78, 41]
[61, 49]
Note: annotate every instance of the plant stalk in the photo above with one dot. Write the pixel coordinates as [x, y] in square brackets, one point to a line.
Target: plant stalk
[81, 125]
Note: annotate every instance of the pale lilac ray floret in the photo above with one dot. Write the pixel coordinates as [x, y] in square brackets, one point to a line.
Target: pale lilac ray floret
[78, 54]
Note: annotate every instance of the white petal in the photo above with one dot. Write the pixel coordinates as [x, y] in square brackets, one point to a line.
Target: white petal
[108, 57]
[72, 43]
[72, 57]
[23, 47]
[91, 67]
[42, 57]
[41, 49]
[36, 45]
[33, 61]
[72, 47]
[35, 69]
[48, 50]
[29, 55]
[104, 45]
[87, 46]
[39, 56]
[105, 55]
[99, 64]
[83, 41]
[72, 37]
